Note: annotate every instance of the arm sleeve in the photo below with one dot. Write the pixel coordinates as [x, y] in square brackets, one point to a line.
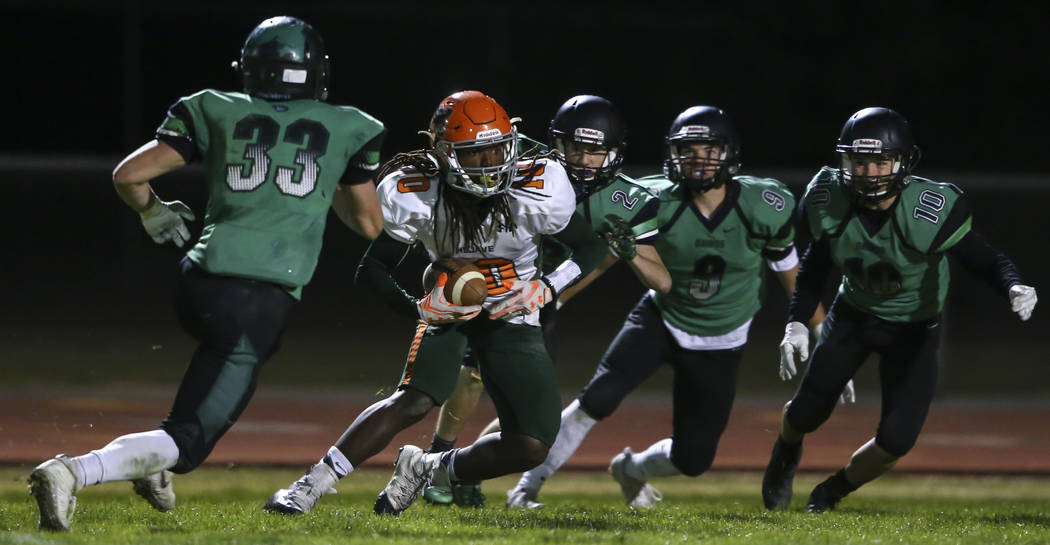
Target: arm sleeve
[985, 262]
[365, 163]
[955, 227]
[373, 277]
[782, 244]
[588, 251]
[809, 284]
[644, 224]
[178, 131]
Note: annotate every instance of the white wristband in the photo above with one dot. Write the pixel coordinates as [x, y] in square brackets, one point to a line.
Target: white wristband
[563, 277]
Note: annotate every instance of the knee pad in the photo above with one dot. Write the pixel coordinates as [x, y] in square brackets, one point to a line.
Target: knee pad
[806, 411]
[896, 444]
[692, 460]
[189, 437]
[596, 407]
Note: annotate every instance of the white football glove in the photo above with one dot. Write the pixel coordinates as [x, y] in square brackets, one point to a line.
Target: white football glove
[848, 395]
[164, 221]
[436, 309]
[1022, 300]
[796, 340]
[526, 297]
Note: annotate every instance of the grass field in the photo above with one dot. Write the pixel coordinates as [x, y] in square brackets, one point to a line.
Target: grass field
[223, 506]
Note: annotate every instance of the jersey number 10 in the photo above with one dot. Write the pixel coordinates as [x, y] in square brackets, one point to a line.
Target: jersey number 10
[256, 170]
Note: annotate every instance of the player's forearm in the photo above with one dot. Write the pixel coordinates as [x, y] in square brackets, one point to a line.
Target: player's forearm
[572, 290]
[991, 265]
[373, 277]
[809, 282]
[358, 208]
[650, 270]
[131, 177]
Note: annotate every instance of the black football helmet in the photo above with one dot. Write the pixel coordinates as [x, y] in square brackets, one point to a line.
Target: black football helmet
[589, 119]
[701, 124]
[284, 58]
[870, 134]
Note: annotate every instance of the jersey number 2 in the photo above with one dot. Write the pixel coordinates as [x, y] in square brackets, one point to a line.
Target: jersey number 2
[255, 170]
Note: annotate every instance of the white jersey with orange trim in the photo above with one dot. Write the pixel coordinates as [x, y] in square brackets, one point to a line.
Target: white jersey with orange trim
[540, 205]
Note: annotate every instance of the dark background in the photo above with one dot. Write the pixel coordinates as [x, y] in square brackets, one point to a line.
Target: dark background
[87, 294]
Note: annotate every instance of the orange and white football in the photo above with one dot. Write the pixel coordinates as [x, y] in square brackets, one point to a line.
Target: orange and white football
[465, 286]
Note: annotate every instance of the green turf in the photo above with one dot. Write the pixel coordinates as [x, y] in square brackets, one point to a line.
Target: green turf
[222, 506]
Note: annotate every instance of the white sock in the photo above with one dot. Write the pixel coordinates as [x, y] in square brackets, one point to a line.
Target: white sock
[655, 461]
[336, 460]
[127, 457]
[574, 427]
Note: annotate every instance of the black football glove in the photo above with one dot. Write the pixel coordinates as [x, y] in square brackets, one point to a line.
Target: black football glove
[617, 232]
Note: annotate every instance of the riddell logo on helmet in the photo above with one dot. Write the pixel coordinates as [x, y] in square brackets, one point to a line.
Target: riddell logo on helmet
[488, 134]
[869, 145]
[583, 133]
[695, 130]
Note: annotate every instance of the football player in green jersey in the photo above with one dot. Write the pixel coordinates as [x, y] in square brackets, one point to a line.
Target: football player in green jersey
[715, 229]
[277, 158]
[588, 137]
[888, 231]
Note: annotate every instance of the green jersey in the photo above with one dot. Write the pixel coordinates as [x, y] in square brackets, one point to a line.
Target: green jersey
[272, 170]
[623, 197]
[716, 263]
[896, 270]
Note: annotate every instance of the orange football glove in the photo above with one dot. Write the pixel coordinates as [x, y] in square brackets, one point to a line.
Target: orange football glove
[526, 297]
[435, 309]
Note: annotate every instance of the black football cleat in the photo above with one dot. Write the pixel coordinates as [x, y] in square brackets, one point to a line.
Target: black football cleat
[383, 507]
[780, 474]
[829, 493]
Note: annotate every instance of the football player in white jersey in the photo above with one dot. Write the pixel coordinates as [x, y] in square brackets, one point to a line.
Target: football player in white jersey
[469, 197]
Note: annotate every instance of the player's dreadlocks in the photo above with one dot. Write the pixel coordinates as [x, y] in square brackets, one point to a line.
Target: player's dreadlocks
[466, 213]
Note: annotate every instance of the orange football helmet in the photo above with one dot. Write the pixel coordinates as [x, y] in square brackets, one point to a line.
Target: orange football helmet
[472, 122]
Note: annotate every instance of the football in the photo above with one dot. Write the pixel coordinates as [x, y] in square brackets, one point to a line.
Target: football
[465, 286]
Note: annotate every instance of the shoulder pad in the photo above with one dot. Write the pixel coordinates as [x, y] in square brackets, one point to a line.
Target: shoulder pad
[767, 202]
[407, 199]
[923, 212]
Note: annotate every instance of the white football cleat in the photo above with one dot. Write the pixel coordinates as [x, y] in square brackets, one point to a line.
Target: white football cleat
[636, 492]
[523, 498]
[413, 470]
[157, 490]
[54, 486]
[302, 495]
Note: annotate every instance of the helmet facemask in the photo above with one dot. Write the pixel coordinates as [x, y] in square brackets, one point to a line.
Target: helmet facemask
[873, 174]
[703, 169]
[495, 168]
[578, 155]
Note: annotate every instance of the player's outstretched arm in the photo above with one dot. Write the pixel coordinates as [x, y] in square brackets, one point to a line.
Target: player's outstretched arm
[163, 221]
[357, 206]
[993, 266]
